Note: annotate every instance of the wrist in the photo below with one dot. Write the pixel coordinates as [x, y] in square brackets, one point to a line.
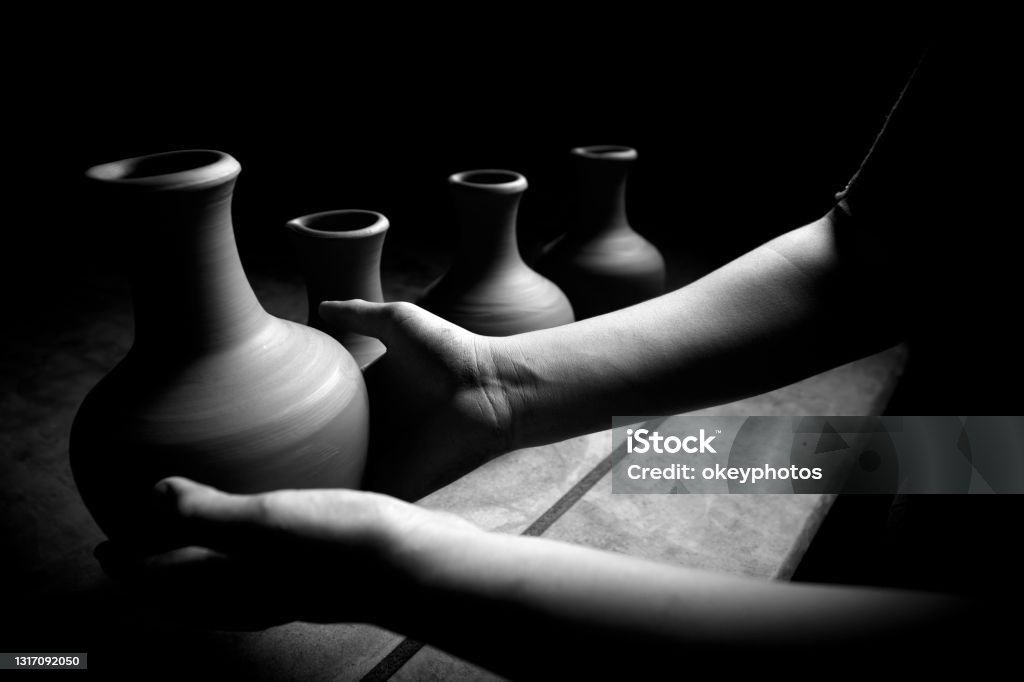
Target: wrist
[546, 389]
[504, 381]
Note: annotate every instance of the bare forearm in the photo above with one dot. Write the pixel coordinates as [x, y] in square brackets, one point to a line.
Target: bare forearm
[771, 317]
[508, 602]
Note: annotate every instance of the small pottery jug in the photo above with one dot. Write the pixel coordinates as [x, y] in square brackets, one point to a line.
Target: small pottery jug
[489, 289]
[601, 263]
[339, 253]
[213, 388]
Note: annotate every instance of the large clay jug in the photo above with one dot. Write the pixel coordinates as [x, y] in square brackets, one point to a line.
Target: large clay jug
[339, 253]
[603, 264]
[489, 288]
[213, 388]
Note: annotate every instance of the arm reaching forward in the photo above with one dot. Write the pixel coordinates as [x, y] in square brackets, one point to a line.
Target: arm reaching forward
[775, 315]
[519, 606]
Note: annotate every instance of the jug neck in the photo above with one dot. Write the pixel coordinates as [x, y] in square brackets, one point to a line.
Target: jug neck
[599, 194]
[173, 210]
[339, 253]
[486, 210]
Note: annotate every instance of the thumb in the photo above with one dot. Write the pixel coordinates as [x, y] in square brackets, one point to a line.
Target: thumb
[198, 514]
[359, 316]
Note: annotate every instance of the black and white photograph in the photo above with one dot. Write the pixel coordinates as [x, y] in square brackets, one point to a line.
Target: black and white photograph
[499, 343]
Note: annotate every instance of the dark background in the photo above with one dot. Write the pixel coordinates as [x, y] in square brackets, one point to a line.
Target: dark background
[743, 132]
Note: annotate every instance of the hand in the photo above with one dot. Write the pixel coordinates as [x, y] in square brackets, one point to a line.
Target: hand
[252, 561]
[437, 406]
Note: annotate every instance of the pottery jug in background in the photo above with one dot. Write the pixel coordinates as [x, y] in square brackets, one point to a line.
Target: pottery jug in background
[601, 263]
[489, 288]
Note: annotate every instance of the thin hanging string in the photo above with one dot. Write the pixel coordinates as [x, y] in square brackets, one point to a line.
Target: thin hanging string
[885, 125]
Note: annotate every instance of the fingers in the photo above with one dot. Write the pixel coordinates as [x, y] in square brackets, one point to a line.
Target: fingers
[198, 584]
[125, 566]
[361, 317]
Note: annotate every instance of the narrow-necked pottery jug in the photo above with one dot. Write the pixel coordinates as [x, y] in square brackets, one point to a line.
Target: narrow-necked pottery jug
[489, 288]
[602, 263]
